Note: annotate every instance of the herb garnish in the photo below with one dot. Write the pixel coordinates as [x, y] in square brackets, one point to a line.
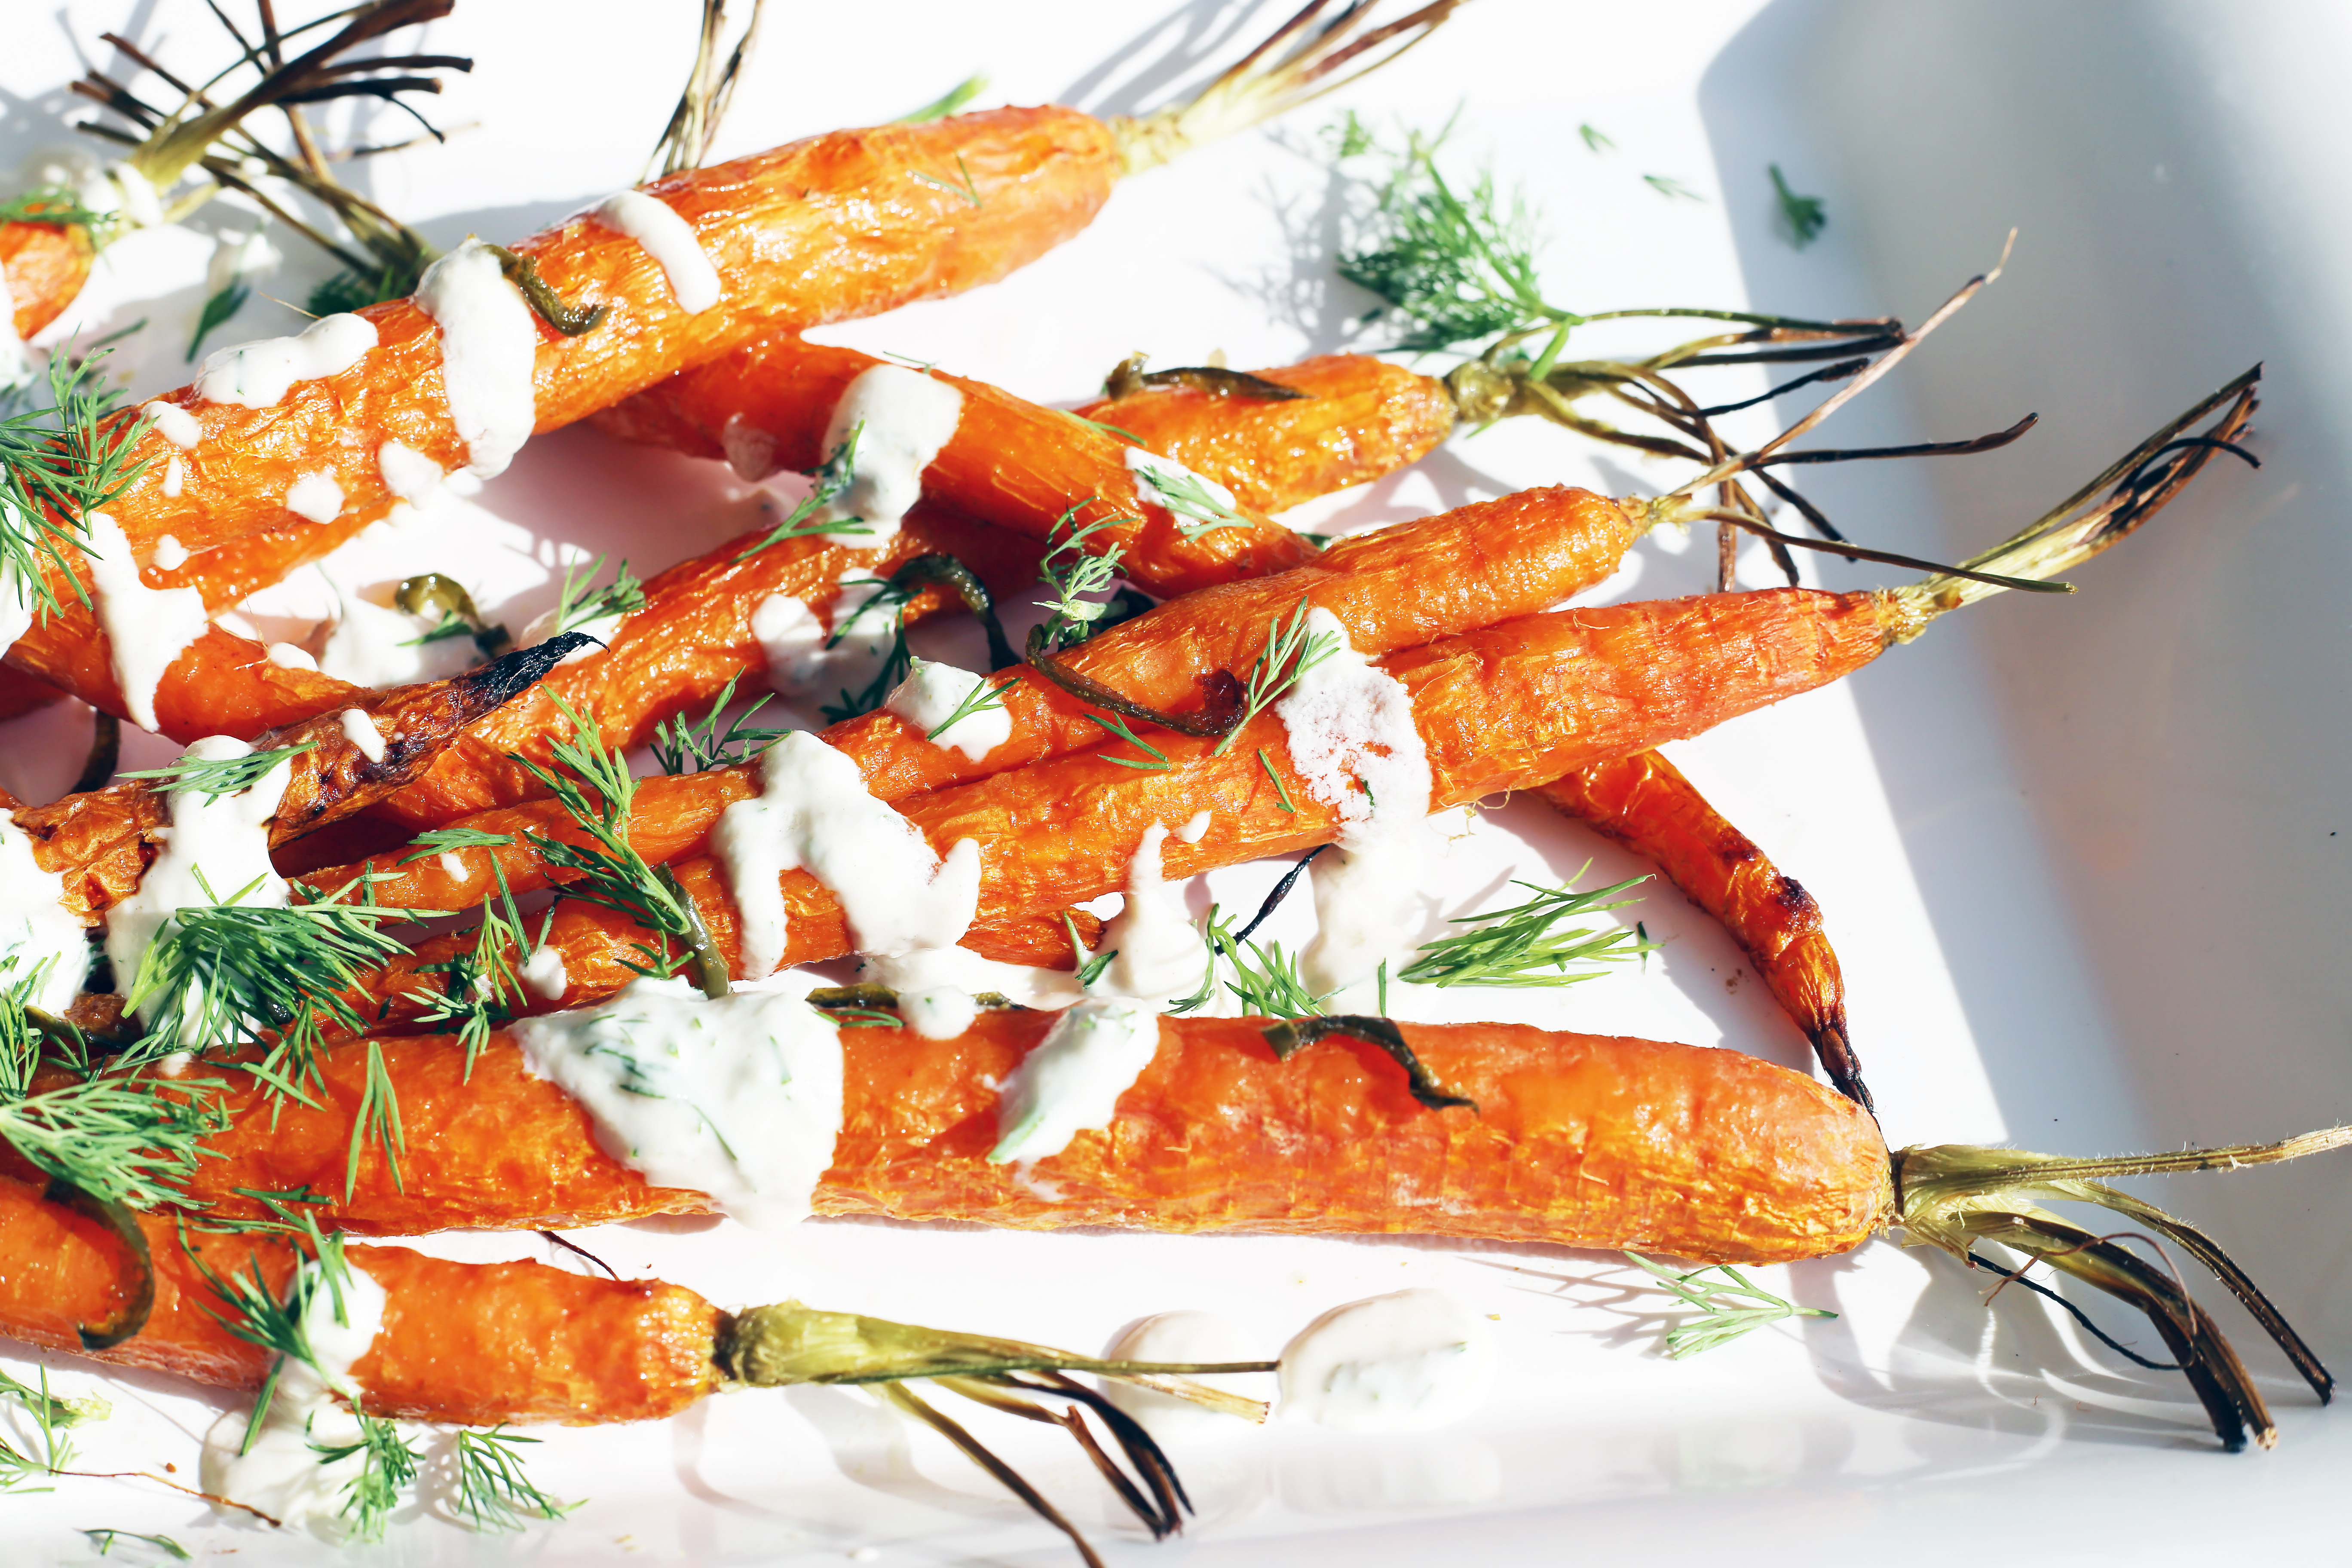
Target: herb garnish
[967, 190]
[51, 1415]
[1071, 618]
[1727, 1308]
[492, 1489]
[981, 699]
[1804, 216]
[216, 312]
[217, 776]
[104, 1541]
[685, 747]
[1120, 728]
[577, 604]
[1519, 946]
[58, 465]
[1191, 501]
[1281, 790]
[831, 478]
[1288, 654]
[52, 203]
[948, 102]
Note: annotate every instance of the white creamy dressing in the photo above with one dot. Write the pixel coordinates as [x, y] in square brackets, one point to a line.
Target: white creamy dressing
[670, 240]
[287, 656]
[1159, 480]
[376, 646]
[360, 730]
[35, 929]
[738, 1099]
[1193, 1338]
[1402, 1362]
[453, 866]
[1352, 736]
[941, 1013]
[926, 970]
[489, 348]
[315, 498]
[904, 418]
[815, 813]
[146, 629]
[282, 1475]
[1160, 955]
[929, 697]
[1195, 830]
[1072, 1081]
[793, 638]
[543, 970]
[175, 424]
[225, 837]
[260, 374]
[409, 474]
[239, 258]
[175, 476]
[170, 554]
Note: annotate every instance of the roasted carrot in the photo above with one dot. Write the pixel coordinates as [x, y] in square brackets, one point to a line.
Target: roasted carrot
[1010, 462]
[42, 268]
[1644, 802]
[101, 842]
[1356, 418]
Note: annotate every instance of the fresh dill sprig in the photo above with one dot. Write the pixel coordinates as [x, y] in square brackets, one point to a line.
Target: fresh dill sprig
[1281, 790]
[388, 1469]
[50, 1416]
[1189, 500]
[217, 776]
[1805, 217]
[216, 312]
[967, 190]
[482, 989]
[1595, 141]
[441, 841]
[863, 1018]
[578, 604]
[1523, 945]
[1452, 268]
[1265, 980]
[831, 478]
[493, 1491]
[682, 746]
[981, 699]
[1120, 728]
[1090, 968]
[52, 203]
[1727, 1308]
[607, 872]
[119, 1139]
[254, 1312]
[1670, 188]
[896, 665]
[1288, 654]
[947, 102]
[1349, 136]
[58, 465]
[1070, 616]
[104, 1540]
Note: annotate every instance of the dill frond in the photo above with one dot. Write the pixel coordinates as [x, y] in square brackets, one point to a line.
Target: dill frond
[1804, 216]
[441, 841]
[388, 1469]
[1191, 503]
[578, 604]
[948, 102]
[104, 1540]
[1726, 1308]
[217, 776]
[831, 478]
[1070, 616]
[1288, 654]
[493, 1491]
[1524, 945]
[1125, 732]
[981, 699]
[1450, 267]
[50, 204]
[58, 465]
[681, 746]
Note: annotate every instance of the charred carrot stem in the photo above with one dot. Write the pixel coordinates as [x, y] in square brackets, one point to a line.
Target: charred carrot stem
[1644, 802]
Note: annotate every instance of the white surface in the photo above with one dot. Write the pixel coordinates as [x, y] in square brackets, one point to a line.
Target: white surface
[2076, 855]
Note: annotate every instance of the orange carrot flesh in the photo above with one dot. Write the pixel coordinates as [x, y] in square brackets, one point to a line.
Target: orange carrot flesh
[1577, 1140]
[1644, 802]
[1362, 417]
[1010, 462]
[44, 265]
[477, 1344]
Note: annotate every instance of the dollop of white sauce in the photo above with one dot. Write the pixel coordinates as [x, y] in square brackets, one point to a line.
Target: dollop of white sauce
[929, 969]
[170, 554]
[1185, 1338]
[904, 419]
[1072, 1081]
[409, 474]
[940, 1012]
[225, 837]
[36, 932]
[1195, 830]
[543, 970]
[738, 1099]
[453, 865]
[260, 374]
[1401, 1363]
[282, 1475]
[175, 475]
[175, 424]
[670, 240]
[1160, 480]
[929, 697]
[376, 646]
[1160, 955]
[815, 813]
[286, 656]
[360, 730]
[489, 348]
[316, 498]
[146, 629]
[1351, 735]
[792, 637]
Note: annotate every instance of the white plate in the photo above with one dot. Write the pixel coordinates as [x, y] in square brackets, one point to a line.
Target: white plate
[2079, 857]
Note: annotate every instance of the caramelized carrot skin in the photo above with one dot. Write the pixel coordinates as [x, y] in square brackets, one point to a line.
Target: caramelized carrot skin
[1578, 1141]
[477, 1344]
[46, 265]
[1011, 462]
[1362, 418]
[1644, 802]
